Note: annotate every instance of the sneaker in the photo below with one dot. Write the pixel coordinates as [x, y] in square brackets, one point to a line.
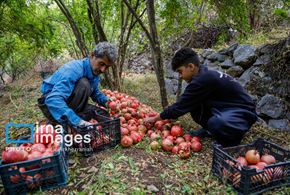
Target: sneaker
[202, 133]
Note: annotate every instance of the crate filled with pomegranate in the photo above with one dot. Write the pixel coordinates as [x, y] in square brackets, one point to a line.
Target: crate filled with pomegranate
[253, 168]
[40, 165]
[104, 133]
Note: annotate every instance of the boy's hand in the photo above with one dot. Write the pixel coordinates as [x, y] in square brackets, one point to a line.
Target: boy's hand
[152, 119]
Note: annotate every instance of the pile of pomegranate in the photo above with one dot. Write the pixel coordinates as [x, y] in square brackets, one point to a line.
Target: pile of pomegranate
[162, 134]
[28, 152]
[253, 160]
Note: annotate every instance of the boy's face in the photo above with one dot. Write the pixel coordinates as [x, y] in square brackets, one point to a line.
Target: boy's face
[186, 72]
[99, 65]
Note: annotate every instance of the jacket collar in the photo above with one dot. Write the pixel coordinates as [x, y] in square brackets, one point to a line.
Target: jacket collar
[88, 69]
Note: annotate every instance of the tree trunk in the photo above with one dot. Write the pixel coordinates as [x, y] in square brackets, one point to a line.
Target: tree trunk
[79, 38]
[156, 52]
[91, 15]
[155, 46]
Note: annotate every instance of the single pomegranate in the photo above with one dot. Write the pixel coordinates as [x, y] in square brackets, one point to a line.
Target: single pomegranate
[158, 125]
[126, 141]
[154, 145]
[269, 159]
[26, 147]
[167, 144]
[183, 154]
[176, 131]
[12, 156]
[134, 105]
[165, 133]
[261, 165]
[242, 161]
[184, 146]
[132, 128]
[196, 146]
[175, 150]
[34, 155]
[142, 128]
[149, 132]
[38, 147]
[127, 116]
[124, 131]
[195, 139]
[155, 136]
[136, 137]
[187, 137]
[171, 138]
[113, 105]
[179, 140]
[252, 156]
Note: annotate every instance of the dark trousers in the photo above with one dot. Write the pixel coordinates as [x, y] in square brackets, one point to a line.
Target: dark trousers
[229, 126]
[77, 101]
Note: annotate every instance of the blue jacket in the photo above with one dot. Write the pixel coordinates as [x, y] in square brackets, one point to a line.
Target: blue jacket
[60, 85]
[211, 90]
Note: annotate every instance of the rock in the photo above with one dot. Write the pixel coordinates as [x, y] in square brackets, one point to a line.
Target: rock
[282, 124]
[262, 122]
[264, 49]
[216, 57]
[262, 60]
[201, 59]
[254, 98]
[230, 50]
[170, 73]
[245, 56]
[270, 106]
[206, 52]
[235, 71]
[152, 188]
[227, 64]
[171, 86]
[214, 66]
[250, 74]
[206, 62]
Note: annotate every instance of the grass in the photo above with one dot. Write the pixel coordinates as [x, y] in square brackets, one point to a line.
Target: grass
[261, 38]
[132, 170]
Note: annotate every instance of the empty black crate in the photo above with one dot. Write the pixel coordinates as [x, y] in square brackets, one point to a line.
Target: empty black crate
[246, 180]
[104, 134]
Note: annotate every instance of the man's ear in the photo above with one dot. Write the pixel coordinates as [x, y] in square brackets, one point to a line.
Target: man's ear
[92, 54]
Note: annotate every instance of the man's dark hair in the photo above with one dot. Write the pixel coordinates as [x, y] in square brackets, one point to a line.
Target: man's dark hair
[183, 57]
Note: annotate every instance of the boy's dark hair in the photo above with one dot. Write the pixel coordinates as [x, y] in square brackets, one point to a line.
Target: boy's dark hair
[183, 57]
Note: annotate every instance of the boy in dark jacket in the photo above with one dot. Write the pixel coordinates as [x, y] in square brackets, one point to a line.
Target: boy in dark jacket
[215, 100]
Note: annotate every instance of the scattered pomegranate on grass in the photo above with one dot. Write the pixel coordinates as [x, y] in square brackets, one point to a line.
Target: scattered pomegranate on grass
[132, 113]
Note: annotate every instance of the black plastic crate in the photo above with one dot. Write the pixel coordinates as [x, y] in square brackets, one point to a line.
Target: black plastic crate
[246, 180]
[40, 174]
[104, 135]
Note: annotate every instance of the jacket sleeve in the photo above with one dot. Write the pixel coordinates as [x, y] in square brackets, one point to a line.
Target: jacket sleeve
[97, 95]
[56, 99]
[194, 94]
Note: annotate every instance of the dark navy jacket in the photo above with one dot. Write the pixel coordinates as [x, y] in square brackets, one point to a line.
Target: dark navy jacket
[210, 90]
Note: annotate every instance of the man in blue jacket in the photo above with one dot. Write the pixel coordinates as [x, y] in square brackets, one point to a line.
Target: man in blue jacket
[67, 91]
[215, 100]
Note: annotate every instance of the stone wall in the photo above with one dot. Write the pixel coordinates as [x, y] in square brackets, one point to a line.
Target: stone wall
[246, 63]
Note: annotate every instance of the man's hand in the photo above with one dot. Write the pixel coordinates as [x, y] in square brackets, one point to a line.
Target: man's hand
[152, 119]
[84, 123]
